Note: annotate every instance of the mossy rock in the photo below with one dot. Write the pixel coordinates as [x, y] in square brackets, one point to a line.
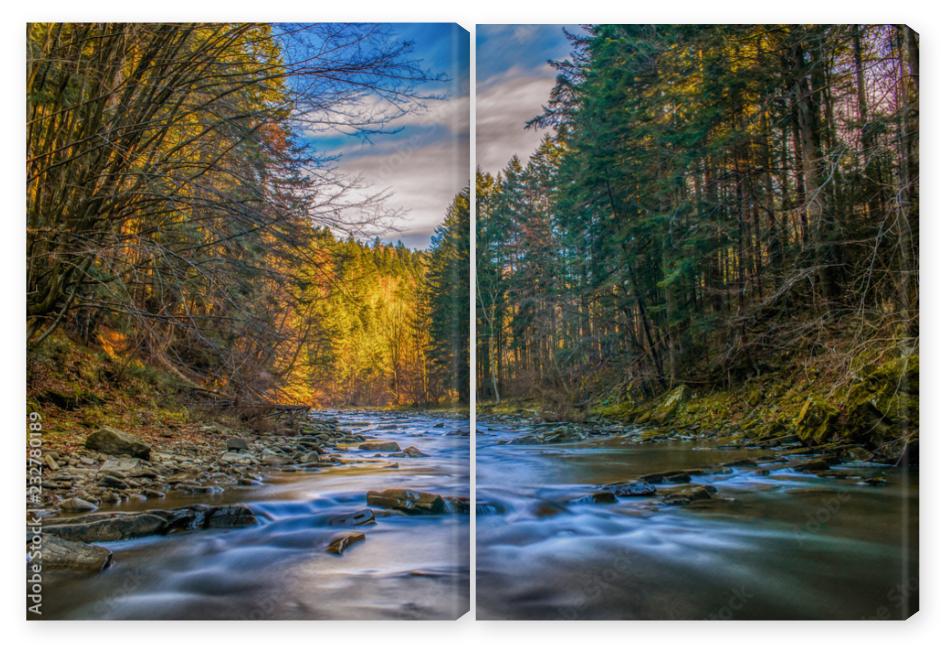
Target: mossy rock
[884, 404]
[671, 404]
[815, 420]
[625, 411]
[901, 374]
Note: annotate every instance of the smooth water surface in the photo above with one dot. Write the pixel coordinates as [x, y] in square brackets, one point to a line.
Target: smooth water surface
[779, 545]
[408, 566]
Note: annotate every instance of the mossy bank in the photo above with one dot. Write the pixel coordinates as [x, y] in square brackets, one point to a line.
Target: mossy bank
[875, 407]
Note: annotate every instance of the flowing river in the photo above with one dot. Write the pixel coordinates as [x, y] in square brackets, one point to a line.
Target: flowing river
[407, 567]
[782, 544]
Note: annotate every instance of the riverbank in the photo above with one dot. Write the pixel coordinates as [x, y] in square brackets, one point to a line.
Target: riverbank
[876, 409]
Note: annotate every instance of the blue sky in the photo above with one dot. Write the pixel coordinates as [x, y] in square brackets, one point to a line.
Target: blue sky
[513, 83]
[425, 163]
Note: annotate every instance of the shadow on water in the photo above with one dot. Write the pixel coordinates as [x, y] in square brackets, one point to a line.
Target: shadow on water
[408, 567]
[767, 546]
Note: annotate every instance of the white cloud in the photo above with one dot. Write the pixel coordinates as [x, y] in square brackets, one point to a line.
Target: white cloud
[503, 105]
[422, 178]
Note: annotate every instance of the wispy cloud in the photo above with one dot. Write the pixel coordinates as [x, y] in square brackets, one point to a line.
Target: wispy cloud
[514, 83]
[504, 104]
[421, 181]
[419, 160]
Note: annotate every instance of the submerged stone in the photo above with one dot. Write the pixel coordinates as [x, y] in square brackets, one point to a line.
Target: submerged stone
[342, 541]
[408, 501]
[630, 488]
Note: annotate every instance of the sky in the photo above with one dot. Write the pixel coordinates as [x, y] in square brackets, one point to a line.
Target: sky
[513, 82]
[426, 162]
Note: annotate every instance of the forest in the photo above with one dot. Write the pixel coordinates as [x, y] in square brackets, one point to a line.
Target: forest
[716, 206]
[179, 222]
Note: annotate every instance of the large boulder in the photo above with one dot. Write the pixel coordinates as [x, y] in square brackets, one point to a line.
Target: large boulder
[408, 501]
[114, 528]
[672, 401]
[59, 553]
[112, 441]
[815, 421]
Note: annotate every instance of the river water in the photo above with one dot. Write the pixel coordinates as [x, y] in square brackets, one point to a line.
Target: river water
[408, 567]
[782, 545]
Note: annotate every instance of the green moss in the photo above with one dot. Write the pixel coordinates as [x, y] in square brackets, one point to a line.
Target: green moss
[623, 410]
[670, 404]
[815, 420]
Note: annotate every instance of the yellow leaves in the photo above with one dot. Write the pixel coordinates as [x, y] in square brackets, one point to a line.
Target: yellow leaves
[367, 328]
[115, 343]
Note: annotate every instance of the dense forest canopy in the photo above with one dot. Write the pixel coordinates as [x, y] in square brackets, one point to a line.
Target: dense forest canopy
[175, 208]
[714, 202]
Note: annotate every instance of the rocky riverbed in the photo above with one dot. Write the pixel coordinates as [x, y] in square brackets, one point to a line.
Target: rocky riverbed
[606, 520]
[338, 484]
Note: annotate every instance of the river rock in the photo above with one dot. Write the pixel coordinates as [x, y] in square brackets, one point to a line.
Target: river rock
[120, 465]
[231, 457]
[742, 462]
[119, 526]
[673, 476]
[236, 444]
[112, 441]
[457, 504]
[489, 507]
[342, 541]
[602, 496]
[380, 446]
[364, 517]
[107, 480]
[817, 465]
[413, 452]
[684, 494]
[230, 516]
[858, 454]
[59, 553]
[548, 508]
[76, 504]
[630, 488]
[409, 501]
